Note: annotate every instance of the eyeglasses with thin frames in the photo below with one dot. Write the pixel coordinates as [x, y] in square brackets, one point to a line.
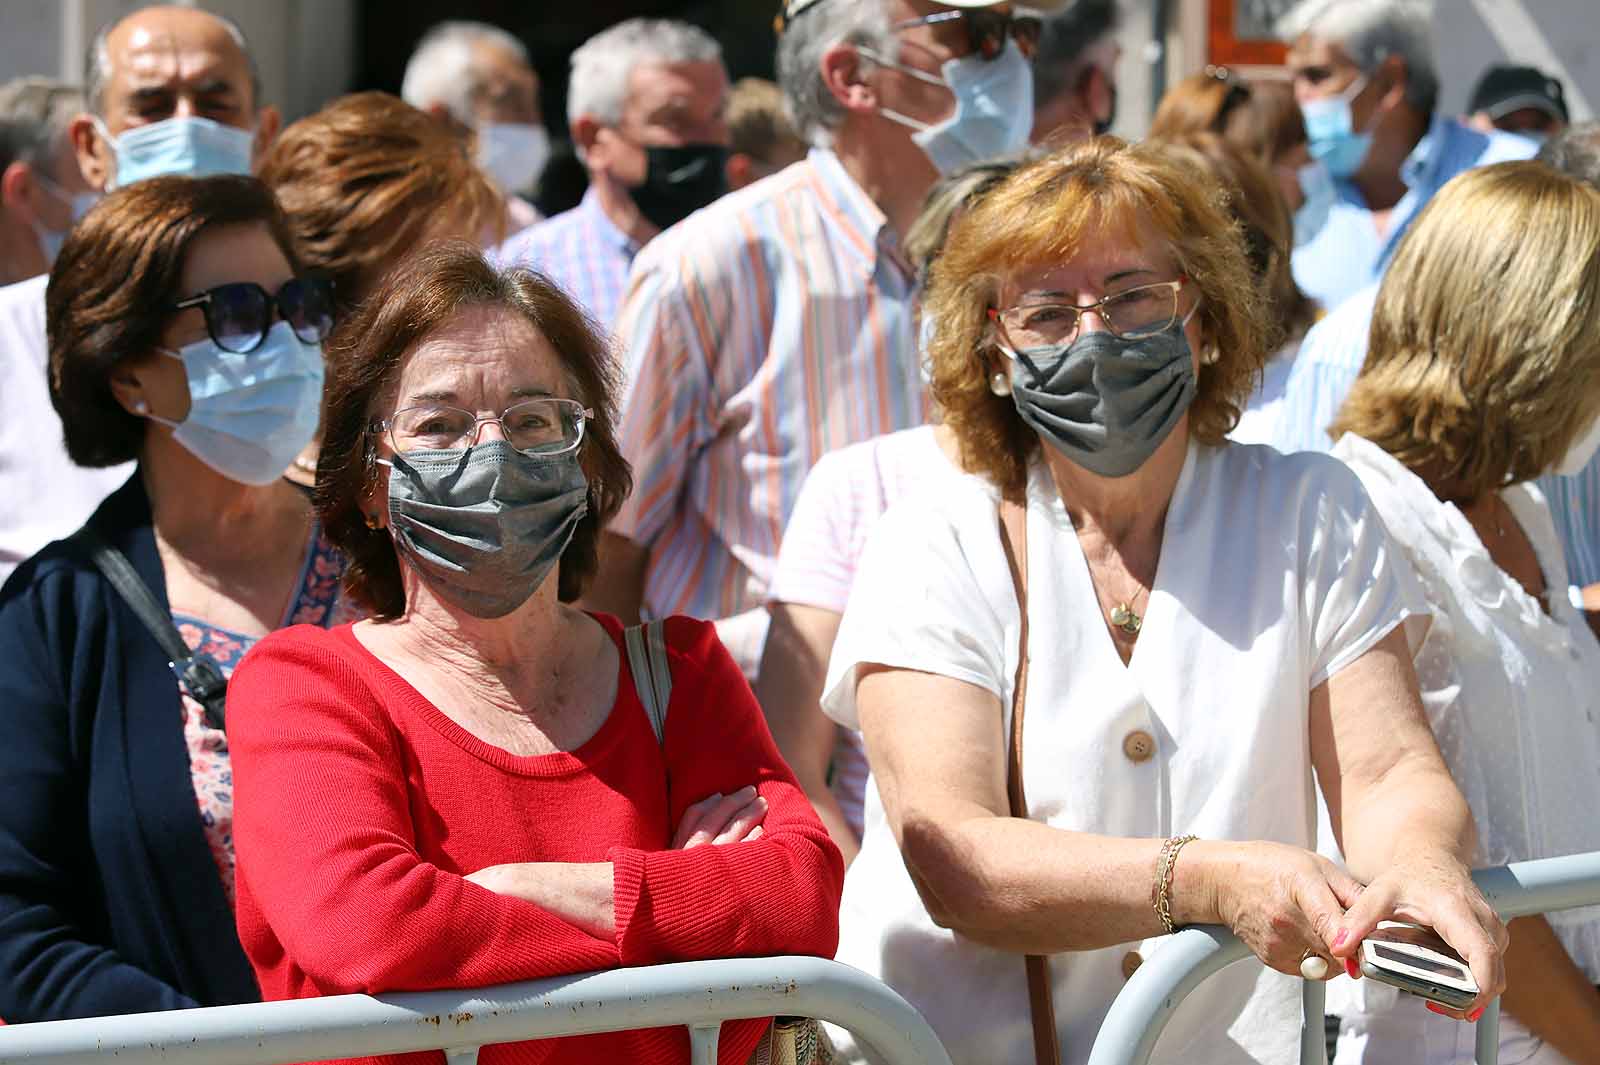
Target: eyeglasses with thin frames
[1132, 314]
[545, 425]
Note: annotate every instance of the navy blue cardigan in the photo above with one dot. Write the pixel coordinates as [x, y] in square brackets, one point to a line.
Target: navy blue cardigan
[109, 899]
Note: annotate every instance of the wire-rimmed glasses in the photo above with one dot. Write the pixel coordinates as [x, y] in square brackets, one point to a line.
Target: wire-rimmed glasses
[544, 425]
[1132, 314]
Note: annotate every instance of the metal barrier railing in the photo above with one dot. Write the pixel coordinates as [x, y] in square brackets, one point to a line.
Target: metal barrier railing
[700, 995]
[1140, 1014]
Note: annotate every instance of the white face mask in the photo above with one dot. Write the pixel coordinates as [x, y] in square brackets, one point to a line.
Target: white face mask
[993, 114]
[1582, 451]
[513, 154]
[183, 145]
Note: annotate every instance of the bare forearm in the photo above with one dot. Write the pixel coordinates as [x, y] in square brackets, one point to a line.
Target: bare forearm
[1021, 886]
[1547, 992]
[1414, 808]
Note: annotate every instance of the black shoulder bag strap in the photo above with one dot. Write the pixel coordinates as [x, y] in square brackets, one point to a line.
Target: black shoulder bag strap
[197, 672]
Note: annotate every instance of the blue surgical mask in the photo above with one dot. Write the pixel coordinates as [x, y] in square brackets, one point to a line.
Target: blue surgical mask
[184, 145]
[250, 415]
[50, 240]
[993, 114]
[1319, 196]
[1331, 130]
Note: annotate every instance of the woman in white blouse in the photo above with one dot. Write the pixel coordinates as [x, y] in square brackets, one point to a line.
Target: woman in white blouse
[1205, 623]
[1484, 373]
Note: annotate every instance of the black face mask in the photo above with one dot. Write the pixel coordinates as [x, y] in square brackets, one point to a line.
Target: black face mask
[680, 181]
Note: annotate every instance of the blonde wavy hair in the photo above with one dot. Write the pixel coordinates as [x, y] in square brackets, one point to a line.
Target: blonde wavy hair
[1483, 364]
[1041, 216]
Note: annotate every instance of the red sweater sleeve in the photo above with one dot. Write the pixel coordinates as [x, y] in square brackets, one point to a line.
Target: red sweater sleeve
[323, 833]
[776, 895]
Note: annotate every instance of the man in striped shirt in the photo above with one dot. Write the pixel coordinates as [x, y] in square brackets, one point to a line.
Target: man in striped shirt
[778, 324]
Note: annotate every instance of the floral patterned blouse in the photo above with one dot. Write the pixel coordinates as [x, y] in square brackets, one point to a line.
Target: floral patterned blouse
[317, 603]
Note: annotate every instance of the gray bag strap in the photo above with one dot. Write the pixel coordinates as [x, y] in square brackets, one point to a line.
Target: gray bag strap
[197, 672]
[652, 676]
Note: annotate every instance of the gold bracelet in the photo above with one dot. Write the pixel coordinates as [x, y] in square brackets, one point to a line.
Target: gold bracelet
[1161, 889]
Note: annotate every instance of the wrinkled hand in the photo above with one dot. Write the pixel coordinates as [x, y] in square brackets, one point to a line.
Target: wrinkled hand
[500, 879]
[1282, 901]
[732, 818]
[1434, 890]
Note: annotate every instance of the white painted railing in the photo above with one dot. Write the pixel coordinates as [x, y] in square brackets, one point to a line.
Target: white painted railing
[700, 995]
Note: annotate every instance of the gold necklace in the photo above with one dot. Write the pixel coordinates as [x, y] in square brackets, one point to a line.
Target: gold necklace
[1124, 617]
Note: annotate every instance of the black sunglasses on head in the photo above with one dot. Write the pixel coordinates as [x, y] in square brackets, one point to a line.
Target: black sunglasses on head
[239, 314]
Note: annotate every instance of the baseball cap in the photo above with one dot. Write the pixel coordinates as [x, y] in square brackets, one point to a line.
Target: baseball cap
[1504, 89]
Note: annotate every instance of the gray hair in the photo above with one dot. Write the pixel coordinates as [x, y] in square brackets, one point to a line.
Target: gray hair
[1370, 31]
[97, 61]
[1065, 43]
[440, 70]
[602, 64]
[1575, 151]
[34, 115]
[812, 107]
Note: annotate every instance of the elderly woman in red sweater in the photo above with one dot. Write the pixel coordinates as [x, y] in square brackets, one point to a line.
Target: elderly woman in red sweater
[465, 789]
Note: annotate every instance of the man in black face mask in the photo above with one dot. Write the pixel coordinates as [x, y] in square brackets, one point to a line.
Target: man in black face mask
[645, 106]
[1074, 71]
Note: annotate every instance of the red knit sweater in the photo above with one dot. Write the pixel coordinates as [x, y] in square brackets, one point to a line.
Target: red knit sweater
[359, 807]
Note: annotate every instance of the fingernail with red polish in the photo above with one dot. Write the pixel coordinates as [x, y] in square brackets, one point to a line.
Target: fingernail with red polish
[1475, 1014]
[1436, 1009]
[1338, 940]
[1351, 968]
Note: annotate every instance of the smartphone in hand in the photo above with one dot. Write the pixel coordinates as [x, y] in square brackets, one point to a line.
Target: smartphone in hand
[1417, 960]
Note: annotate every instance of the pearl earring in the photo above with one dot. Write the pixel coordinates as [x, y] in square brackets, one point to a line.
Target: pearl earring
[1000, 383]
[1210, 357]
[141, 407]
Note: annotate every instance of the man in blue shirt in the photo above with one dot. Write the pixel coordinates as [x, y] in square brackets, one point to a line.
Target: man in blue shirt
[1334, 350]
[1365, 77]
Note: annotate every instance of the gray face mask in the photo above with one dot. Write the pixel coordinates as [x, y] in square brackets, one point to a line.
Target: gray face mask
[485, 525]
[1104, 401]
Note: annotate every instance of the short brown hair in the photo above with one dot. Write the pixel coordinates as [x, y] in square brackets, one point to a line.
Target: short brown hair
[1041, 215]
[1268, 225]
[1483, 364]
[758, 126]
[412, 303]
[367, 180]
[111, 293]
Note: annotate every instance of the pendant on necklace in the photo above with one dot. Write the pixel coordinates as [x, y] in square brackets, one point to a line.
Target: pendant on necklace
[1124, 618]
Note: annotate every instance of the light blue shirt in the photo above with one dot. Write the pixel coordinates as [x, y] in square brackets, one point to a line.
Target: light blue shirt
[1348, 252]
[581, 250]
[1329, 362]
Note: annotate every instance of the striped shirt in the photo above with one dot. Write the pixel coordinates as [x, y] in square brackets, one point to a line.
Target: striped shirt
[581, 250]
[1349, 252]
[760, 333]
[1326, 369]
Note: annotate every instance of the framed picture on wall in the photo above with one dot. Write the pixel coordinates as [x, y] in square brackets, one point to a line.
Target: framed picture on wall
[1242, 32]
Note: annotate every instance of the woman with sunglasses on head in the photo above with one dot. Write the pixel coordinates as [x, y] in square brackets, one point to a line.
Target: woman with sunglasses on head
[1095, 678]
[181, 336]
[519, 792]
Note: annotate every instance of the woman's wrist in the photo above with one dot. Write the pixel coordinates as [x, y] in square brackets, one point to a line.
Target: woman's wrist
[1192, 884]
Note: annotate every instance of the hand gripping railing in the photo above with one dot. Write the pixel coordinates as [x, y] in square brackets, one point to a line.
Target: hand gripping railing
[1141, 1012]
[700, 994]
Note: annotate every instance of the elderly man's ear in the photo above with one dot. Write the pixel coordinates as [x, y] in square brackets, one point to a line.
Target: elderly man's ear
[845, 71]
